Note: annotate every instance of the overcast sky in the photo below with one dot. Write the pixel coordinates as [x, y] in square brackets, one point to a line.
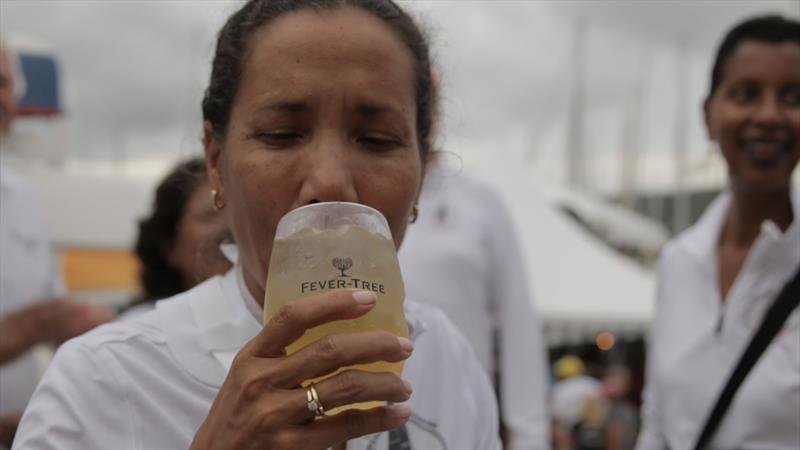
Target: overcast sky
[134, 71]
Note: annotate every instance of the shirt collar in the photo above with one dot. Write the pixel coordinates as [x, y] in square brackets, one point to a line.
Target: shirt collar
[227, 339]
[701, 240]
[253, 307]
[206, 326]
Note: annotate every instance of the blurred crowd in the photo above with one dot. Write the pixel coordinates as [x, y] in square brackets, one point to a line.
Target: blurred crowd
[460, 253]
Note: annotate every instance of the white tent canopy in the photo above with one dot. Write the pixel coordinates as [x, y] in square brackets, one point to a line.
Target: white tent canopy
[580, 285]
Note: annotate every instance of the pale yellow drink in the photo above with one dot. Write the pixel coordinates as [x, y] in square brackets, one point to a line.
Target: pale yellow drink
[311, 261]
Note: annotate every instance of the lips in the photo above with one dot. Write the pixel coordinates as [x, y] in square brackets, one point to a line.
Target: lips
[765, 152]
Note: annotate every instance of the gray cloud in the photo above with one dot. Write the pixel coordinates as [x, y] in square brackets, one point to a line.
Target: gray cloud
[134, 71]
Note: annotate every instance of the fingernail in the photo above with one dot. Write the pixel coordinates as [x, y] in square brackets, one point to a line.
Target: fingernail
[364, 297]
[401, 412]
[408, 387]
[405, 344]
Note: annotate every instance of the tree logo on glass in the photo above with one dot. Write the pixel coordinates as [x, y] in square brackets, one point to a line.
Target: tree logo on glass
[342, 264]
[342, 281]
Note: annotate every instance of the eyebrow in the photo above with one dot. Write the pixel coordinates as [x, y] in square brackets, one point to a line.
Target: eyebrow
[286, 106]
[371, 109]
[367, 109]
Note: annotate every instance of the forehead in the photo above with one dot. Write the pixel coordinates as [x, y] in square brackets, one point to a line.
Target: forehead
[300, 49]
[764, 59]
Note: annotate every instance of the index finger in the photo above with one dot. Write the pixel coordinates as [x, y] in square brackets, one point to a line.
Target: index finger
[294, 318]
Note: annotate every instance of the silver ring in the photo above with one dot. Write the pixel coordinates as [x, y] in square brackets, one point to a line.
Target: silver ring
[313, 403]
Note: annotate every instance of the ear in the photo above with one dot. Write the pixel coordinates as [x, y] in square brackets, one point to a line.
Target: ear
[213, 152]
[707, 119]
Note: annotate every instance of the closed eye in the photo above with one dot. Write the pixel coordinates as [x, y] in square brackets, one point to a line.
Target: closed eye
[379, 143]
[279, 138]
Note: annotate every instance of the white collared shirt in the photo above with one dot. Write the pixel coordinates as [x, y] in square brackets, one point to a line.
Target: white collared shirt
[148, 383]
[463, 256]
[697, 340]
[28, 273]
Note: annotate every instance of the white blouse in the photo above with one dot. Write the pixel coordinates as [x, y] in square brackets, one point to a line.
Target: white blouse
[149, 382]
[697, 340]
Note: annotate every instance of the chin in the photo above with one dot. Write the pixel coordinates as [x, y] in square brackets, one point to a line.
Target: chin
[762, 181]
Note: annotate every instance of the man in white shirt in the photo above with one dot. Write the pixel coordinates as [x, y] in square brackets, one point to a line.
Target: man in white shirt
[462, 255]
[32, 308]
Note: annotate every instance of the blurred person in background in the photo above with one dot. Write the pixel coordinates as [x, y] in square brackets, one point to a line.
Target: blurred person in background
[717, 279]
[463, 256]
[622, 421]
[308, 101]
[589, 433]
[573, 396]
[33, 305]
[178, 245]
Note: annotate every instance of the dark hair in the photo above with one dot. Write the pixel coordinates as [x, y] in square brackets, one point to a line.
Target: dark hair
[157, 232]
[232, 47]
[772, 29]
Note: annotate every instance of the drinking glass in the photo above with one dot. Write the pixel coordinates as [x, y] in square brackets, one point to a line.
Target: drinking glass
[337, 245]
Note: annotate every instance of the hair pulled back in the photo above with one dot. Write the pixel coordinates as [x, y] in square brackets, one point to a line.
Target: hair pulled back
[233, 43]
[772, 29]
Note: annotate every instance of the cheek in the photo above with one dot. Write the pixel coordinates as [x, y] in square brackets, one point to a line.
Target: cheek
[182, 256]
[724, 127]
[392, 188]
[725, 123]
[794, 124]
[256, 201]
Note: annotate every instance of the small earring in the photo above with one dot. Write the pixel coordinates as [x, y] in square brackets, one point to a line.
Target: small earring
[217, 205]
[414, 214]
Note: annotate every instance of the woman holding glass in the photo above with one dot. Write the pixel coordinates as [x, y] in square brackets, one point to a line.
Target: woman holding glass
[309, 101]
[718, 278]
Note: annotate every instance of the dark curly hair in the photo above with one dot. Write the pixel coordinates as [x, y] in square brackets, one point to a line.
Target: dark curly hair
[233, 43]
[772, 29]
[157, 232]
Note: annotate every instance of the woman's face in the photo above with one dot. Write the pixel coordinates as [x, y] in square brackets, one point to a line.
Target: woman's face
[325, 111]
[754, 115]
[195, 251]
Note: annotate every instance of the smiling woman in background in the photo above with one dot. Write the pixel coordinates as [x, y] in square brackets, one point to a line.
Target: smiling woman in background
[718, 278]
[309, 101]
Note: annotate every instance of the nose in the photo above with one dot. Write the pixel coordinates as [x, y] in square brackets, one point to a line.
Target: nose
[330, 174]
[769, 111]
